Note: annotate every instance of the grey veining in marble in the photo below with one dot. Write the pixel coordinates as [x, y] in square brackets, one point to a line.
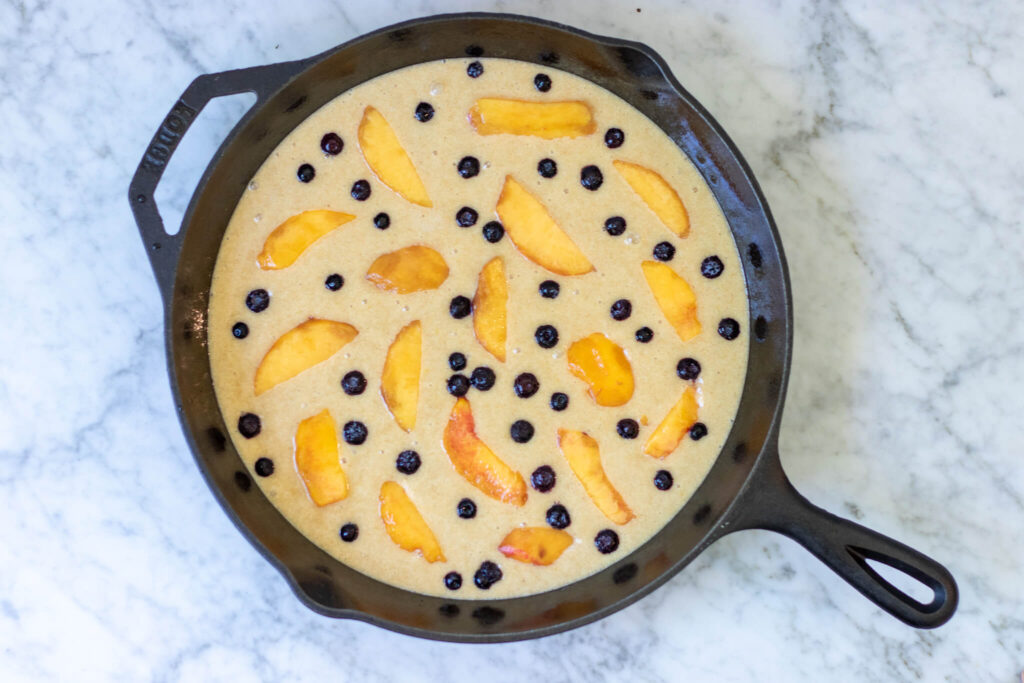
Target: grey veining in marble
[888, 139]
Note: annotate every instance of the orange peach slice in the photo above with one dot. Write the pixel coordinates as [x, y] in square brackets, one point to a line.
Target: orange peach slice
[675, 298]
[658, 195]
[489, 303]
[536, 234]
[584, 457]
[476, 462]
[388, 160]
[288, 240]
[317, 459]
[407, 270]
[603, 365]
[300, 348]
[400, 381]
[666, 437]
[405, 525]
[548, 120]
[538, 545]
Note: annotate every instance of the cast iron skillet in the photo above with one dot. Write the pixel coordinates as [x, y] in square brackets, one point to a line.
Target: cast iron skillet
[746, 487]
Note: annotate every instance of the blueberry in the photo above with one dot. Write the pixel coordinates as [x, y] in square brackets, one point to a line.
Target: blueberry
[466, 509]
[728, 328]
[644, 335]
[249, 425]
[487, 575]
[688, 369]
[354, 432]
[711, 267]
[549, 289]
[493, 232]
[621, 309]
[424, 112]
[663, 480]
[607, 541]
[466, 217]
[526, 385]
[482, 378]
[542, 82]
[349, 532]
[240, 330]
[698, 431]
[664, 251]
[332, 144]
[546, 336]
[458, 385]
[306, 173]
[474, 70]
[453, 581]
[543, 478]
[457, 361]
[547, 168]
[382, 221]
[559, 401]
[360, 190]
[627, 428]
[460, 307]
[558, 517]
[264, 467]
[614, 137]
[353, 383]
[334, 282]
[591, 177]
[469, 167]
[257, 300]
[615, 226]
[408, 462]
[521, 431]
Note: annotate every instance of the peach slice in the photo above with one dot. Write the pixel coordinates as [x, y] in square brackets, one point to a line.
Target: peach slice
[658, 195]
[300, 348]
[388, 160]
[489, 318]
[675, 298]
[317, 459]
[538, 545]
[405, 525]
[603, 365]
[407, 270]
[667, 435]
[548, 120]
[536, 234]
[288, 240]
[584, 457]
[400, 381]
[476, 462]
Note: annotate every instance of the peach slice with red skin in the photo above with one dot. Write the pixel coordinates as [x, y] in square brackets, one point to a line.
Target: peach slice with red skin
[318, 461]
[299, 349]
[287, 242]
[407, 270]
[477, 463]
[658, 195]
[536, 234]
[548, 120]
[388, 160]
[489, 308]
[675, 298]
[603, 365]
[584, 457]
[400, 380]
[670, 431]
[539, 545]
[405, 525]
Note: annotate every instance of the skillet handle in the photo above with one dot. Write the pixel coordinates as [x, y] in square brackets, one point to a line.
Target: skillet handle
[163, 248]
[770, 502]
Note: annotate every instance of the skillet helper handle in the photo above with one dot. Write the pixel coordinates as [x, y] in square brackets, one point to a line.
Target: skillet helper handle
[775, 505]
[164, 248]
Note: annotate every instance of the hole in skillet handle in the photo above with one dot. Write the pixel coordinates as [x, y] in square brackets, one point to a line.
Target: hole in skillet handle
[903, 580]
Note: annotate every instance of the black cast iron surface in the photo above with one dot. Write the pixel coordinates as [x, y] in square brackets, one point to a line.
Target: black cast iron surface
[745, 488]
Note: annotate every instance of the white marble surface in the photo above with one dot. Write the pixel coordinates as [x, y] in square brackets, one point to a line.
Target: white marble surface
[887, 138]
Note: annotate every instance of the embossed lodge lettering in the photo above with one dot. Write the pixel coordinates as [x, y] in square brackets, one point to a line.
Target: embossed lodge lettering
[169, 135]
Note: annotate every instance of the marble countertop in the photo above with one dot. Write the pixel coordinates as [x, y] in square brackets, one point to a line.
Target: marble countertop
[887, 138]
